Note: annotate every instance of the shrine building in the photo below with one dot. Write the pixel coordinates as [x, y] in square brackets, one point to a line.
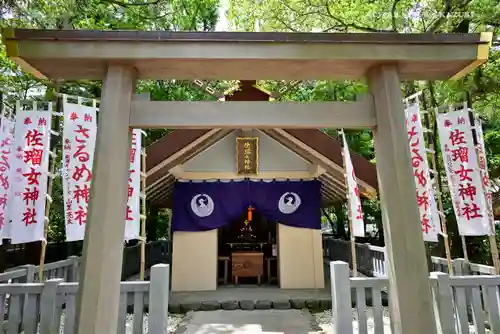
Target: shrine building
[246, 203]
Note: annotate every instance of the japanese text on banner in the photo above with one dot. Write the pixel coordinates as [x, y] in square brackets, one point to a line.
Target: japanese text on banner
[354, 202]
[426, 201]
[7, 154]
[483, 166]
[133, 220]
[80, 129]
[462, 171]
[30, 173]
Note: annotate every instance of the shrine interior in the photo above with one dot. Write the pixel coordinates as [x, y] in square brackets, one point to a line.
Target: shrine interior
[256, 238]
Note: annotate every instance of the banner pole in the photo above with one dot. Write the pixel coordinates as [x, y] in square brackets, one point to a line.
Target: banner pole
[52, 165]
[439, 200]
[351, 232]
[143, 214]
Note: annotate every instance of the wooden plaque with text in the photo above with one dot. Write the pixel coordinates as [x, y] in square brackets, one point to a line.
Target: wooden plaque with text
[247, 155]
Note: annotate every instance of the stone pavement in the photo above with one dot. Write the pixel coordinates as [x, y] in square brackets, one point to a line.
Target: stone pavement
[249, 322]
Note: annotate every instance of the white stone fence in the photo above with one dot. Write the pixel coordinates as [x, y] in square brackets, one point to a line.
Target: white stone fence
[67, 270]
[462, 304]
[50, 307]
[371, 259]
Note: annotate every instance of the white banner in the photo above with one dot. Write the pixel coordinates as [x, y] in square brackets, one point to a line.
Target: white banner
[30, 172]
[483, 165]
[79, 135]
[426, 201]
[7, 155]
[354, 202]
[462, 171]
[133, 220]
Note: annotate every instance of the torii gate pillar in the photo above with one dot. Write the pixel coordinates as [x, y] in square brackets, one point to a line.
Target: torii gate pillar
[99, 292]
[410, 295]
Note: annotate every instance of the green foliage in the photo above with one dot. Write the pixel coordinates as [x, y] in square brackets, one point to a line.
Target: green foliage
[100, 14]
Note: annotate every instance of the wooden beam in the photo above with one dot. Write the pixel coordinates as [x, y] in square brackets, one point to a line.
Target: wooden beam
[236, 56]
[409, 289]
[184, 151]
[324, 162]
[101, 263]
[254, 114]
[156, 175]
[310, 155]
[187, 175]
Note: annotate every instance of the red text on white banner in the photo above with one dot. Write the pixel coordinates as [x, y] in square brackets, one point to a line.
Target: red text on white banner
[463, 174]
[30, 175]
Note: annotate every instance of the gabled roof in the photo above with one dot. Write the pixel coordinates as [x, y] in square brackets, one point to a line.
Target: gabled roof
[314, 146]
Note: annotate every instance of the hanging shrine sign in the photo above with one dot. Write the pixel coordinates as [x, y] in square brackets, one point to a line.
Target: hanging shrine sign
[426, 201]
[79, 136]
[463, 173]
[30, 175]
[247, 155]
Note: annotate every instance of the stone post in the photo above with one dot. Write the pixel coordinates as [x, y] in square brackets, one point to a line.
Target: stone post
[341, 297]
[409, 285]
[101, 263]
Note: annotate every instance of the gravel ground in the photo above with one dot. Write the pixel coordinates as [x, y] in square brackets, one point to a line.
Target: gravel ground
[324, 320]
[173, 322]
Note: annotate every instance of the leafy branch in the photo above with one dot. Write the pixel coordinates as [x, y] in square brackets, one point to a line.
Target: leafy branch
[127, 4]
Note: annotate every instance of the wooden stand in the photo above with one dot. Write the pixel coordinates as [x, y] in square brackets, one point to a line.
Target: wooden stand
[247, 264]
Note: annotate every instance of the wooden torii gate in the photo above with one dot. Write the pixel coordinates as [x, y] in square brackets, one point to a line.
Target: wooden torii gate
[119, 58]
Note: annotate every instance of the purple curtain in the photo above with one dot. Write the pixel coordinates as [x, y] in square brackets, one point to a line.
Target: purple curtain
[203, 206]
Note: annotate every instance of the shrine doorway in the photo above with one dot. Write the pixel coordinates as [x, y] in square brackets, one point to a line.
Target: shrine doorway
[247, 250]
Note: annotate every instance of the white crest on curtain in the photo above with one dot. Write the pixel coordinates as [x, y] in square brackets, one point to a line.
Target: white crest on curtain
[30, 173]
[289, 202]
[463, 174]
[202, 205]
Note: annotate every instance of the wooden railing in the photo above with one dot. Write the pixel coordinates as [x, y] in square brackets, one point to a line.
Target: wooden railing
[371, 259]
[50, 306]
[156, 252]
[462, 304]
